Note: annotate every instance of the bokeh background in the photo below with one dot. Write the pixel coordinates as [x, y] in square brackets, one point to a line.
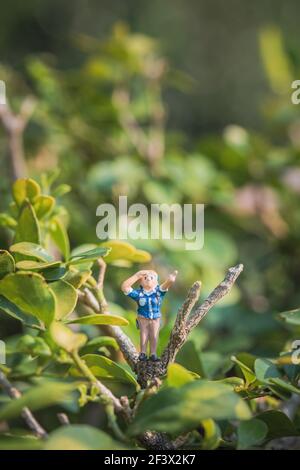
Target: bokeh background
[172, 101]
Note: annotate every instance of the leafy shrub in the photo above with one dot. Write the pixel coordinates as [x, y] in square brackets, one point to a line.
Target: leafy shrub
[67, 356]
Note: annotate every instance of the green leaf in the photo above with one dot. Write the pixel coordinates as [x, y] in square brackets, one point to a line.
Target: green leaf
[7, 221]
[82, 249]
[179, 410]
[7, 263]
[292, 317]
[12, 310]
[265, 370]
[251, 433]
[28, 229]
[118, 250]
[284, 385]
[53, 274]
[100, 319]
[246, 367]
[30, 293]
[178, 375]
[66, 338]
[189, 358]
[37, 397]
[77, 278]
[60, 237]
[212, 435]
[233, 381]
[92, 255]
[66, 298]
[279, 425]
[28, 265]
[8, 442]
[43, 206]
[101, 341]
[81, 437]
[105, 368]
[33, 345]
[32, 250]
[61, 190]
[25, 188]
[141, 256]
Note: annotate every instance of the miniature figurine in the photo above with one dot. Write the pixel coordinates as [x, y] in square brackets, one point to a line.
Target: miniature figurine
[149, 298]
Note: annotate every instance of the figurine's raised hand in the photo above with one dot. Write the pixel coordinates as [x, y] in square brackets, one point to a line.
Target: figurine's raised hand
[169, 281]
[172, 276]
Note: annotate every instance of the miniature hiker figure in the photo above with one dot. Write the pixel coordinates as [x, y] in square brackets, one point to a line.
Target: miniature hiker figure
[149, 298]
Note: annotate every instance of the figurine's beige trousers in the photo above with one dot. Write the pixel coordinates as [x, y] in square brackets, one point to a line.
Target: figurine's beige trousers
[149, 331]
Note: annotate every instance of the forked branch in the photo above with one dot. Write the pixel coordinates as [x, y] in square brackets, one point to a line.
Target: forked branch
[187, 319]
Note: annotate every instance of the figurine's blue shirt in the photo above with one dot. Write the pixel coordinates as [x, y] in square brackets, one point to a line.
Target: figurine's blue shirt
[149, 303]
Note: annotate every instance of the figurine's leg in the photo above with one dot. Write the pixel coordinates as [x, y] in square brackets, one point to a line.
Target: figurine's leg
[154, 334]
[144, 333]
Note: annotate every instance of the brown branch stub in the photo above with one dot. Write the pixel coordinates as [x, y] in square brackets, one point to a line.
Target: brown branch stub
[178, 334]
[63, 419]
[26, 414]
[215, 296]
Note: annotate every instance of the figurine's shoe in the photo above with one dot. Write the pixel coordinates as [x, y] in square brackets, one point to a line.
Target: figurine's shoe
[142, 357]
[154, 358]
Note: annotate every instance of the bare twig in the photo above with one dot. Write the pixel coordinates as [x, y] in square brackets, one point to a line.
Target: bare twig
[90, 300]
[151, 145]
[26, 414]
[14, 125]
[102, 270]
[291, 406]
[217, 294]
[63, 419]
[128, 122]
[178, 334]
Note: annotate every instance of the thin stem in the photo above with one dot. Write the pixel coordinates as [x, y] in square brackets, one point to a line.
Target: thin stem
[105, 393]
[26, 414]
[126, 346]
[14, 125]
[113, 423]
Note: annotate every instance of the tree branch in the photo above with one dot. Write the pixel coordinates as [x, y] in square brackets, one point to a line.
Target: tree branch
[217, 294]
[151, 145]
[14, 126]
[186, 320]
[26, 414]
[178, 333]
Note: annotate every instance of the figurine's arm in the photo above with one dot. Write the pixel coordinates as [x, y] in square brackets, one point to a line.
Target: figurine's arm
[126, 285]
[170, 281]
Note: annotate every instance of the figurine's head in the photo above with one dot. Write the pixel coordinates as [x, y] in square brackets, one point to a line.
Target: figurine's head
[149, 280]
